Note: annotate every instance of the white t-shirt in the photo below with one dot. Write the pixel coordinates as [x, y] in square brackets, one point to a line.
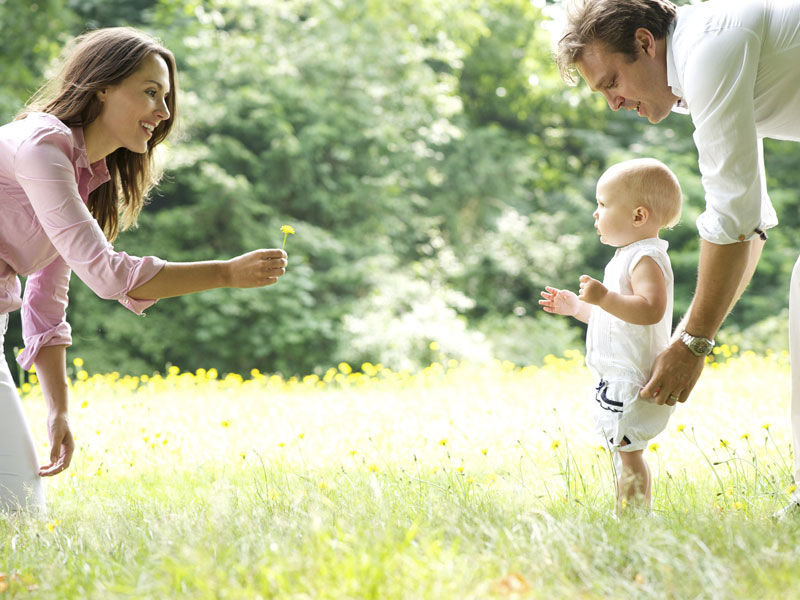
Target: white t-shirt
[736, 66]
[621, 351]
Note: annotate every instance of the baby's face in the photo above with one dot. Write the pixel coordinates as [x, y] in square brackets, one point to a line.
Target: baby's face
[614, 217]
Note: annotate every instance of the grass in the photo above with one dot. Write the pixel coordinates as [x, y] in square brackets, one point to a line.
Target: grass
[458, 482]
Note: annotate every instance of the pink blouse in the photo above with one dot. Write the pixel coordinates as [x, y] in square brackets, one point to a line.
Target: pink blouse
[46, 231]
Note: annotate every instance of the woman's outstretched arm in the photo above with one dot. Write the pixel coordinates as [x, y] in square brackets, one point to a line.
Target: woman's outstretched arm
[254, 269]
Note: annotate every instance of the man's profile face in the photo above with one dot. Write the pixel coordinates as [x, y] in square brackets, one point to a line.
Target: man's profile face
[640, 85]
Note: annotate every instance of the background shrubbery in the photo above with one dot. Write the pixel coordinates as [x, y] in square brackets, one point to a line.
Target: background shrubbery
[437, 171]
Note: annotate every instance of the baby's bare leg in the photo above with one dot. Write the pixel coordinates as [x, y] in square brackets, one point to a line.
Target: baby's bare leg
[634, 481]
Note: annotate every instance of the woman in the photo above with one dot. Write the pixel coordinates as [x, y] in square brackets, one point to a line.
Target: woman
[75, 167]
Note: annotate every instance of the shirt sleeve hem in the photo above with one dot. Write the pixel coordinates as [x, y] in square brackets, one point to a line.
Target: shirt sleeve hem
[60, 335]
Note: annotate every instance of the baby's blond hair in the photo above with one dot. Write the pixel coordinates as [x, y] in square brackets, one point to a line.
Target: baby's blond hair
[653, 185]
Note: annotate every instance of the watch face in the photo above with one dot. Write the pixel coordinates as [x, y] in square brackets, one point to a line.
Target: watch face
[698, 345]
[701, 346]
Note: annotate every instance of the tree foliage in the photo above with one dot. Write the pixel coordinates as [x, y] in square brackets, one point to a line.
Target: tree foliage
[436, 169]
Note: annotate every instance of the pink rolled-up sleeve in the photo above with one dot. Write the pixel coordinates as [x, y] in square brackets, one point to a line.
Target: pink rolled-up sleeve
[44, 311]
[45, 172]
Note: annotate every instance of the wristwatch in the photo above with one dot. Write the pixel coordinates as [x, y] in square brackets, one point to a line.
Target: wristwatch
[699, 346]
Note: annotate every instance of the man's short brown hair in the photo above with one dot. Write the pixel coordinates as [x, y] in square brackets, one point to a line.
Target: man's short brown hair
[610, 22]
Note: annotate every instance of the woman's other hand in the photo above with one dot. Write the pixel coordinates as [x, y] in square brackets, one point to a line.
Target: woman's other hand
[62, 445]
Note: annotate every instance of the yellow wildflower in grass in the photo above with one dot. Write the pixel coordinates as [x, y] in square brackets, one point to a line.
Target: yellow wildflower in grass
[724, 443]
[555, 444]
[286, 230]
[484, 451]
[653, 447]
[745, 436]
[680, 428]
[52, 525]
[443, 442]
[225, 423]
[791, 489]
[373, 468]
[78, 362]
[345, 368]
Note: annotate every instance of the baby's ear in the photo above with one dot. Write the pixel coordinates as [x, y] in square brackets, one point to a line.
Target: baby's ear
[640, 216]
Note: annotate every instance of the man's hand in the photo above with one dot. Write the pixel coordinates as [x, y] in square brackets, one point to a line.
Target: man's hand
[61, 445]
[592, 290]
[559, 302]
[675, 373]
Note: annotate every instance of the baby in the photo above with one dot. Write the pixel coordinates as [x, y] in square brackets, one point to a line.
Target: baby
[629, 314]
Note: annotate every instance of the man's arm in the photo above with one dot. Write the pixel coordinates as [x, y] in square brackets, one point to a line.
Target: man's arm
[723, 274]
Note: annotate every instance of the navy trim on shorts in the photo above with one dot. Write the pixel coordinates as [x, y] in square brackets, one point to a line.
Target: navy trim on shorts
[602, 398]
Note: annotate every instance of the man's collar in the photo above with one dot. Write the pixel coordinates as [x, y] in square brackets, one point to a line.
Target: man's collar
[672, 74]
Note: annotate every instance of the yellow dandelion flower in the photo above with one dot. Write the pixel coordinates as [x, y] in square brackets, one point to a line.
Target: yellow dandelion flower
[484, 451]
[555, 444]
[653, 447]
[225, 423]
[301, 436]
[78, 362]
[791, 489]
[373, 468]
[745, 436]
[765, 426]
[85, 404]
[345, 368]
[460, 469]
[52, 525]
[680, 428]
[724, 443]
[286, 230]
[434, 346]
[443, 442]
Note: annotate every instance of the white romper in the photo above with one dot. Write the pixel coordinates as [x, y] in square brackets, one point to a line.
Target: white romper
[621, 355]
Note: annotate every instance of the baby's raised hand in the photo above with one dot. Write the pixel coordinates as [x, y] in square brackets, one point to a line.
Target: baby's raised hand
[560, 302]
[591, 290]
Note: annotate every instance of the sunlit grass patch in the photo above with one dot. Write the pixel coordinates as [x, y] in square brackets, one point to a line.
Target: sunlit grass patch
[460, 481]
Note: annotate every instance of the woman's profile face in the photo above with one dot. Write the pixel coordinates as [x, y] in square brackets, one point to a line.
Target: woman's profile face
[134, 108]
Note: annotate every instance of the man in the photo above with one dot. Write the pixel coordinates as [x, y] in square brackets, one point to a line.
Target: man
[734, 66]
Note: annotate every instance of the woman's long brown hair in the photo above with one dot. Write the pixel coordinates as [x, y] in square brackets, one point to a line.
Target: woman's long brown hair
[95, 61]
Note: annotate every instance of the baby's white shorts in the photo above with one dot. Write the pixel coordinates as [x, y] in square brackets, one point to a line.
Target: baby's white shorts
[626, 421]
